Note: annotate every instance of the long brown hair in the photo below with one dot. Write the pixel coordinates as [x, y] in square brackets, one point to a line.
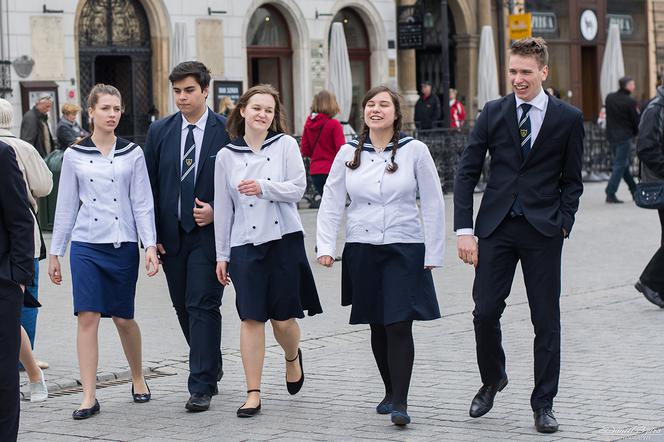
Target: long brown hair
[364, 133]
[93, 97]
[235, 123]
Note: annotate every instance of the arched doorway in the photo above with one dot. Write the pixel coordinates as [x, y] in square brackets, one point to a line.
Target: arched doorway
[357, 41]
[114, 48]
[429, 59]
[270, 54]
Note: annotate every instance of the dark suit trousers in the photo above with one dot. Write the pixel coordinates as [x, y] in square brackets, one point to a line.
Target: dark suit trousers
[11, 301]
[516, 240]
[653, 274]
[196, 296]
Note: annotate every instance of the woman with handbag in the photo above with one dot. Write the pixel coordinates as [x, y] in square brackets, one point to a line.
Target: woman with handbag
[322, 137]
[650, 191]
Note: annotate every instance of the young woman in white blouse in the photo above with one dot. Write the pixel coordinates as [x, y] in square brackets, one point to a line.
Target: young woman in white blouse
[259, 178]
[104, 206]
[389, 254]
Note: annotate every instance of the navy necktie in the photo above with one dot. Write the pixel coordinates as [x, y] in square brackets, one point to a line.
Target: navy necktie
[187, 181]
[525, 137]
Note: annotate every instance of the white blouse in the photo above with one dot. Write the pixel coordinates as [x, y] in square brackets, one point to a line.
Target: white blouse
[241, 219]
[383, 208]
[103, 199]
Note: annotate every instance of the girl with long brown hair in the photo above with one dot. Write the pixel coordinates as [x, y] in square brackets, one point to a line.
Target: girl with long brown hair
[259, 179]
[389, 254]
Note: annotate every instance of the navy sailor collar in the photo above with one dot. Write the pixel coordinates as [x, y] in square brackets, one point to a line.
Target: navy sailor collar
[239, 145]
[122, 146]
[368, 145]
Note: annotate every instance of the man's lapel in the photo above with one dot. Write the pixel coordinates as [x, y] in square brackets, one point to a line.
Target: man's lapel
[509, 115]
[174, 140]
[551, 118]
[209, 138]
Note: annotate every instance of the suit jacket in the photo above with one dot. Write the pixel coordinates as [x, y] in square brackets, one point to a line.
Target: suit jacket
[162, 155]
[17, 246]
[548, 181]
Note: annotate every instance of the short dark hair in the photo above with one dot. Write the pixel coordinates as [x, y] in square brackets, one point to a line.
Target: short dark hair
[195, 69]
[532, 47]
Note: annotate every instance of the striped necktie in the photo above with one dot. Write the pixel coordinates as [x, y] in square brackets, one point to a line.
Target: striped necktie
[524, 130]
[187, 182]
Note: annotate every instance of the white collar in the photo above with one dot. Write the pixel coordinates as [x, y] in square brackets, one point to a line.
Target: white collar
[199, 124]
[538, 102]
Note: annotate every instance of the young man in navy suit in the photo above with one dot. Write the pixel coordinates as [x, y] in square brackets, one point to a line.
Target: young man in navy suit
[536, 143]
[180, 152]
[17, 267]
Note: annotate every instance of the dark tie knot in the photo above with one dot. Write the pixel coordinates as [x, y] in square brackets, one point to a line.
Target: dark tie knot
[191, 127]
[525, 107]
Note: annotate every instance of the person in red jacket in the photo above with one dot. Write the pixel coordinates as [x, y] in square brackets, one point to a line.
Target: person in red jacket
[457, 111]
[322, 137]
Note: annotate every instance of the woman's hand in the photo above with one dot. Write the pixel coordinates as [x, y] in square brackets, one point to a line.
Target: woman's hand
[151, 261]
[222, 273]
[428, 267]
[54, 270]
[249, 188]
[326, 260]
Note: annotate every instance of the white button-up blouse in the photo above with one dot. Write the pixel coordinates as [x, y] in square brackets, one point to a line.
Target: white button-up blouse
[241, 219]
[103, 199]
[383, 208]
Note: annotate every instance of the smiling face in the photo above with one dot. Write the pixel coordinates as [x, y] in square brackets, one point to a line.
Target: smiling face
[190, 98]
[526, 76]
[379, 112]
[258, 114]
[106, 113]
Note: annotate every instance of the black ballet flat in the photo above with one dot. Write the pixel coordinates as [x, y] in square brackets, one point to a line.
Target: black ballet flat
[294, 387]
[84, 413]
[249, 412]
[141, 398]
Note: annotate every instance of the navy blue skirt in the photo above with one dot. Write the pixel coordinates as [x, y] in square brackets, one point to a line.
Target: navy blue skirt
[387, 283]
[273, 280]
[104, 278]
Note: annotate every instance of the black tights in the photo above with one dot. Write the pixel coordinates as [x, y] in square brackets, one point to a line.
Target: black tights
[394, 351]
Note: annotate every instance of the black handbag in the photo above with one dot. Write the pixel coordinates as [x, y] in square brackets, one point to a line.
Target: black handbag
[650, 195]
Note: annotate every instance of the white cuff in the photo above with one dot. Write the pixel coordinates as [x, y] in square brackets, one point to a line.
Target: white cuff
[466, 231]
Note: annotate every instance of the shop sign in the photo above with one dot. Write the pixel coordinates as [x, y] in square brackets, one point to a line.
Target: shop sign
[520, 26]
[410, 28]
[625, 23]
[544, 22]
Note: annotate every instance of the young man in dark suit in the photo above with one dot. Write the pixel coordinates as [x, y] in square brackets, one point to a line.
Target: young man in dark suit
[180, 152]
[17, 267]
[536, 142]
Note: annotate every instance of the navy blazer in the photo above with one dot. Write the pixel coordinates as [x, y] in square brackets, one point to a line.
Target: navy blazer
[17, 241]
[162, 155]
[548, 182]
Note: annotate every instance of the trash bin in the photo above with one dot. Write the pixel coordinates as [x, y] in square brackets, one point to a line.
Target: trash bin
[47, 204]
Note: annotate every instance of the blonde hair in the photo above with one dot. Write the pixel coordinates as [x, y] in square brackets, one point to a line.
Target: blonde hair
[226, 104]
[70, 109]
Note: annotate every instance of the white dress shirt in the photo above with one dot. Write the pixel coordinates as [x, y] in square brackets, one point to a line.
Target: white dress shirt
[241, 219]
[383, 208]
[536, 115]
[103, 199]
[199, 132]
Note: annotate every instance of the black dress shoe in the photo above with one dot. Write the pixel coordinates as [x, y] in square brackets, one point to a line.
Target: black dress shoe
[650, 294]
[141, 398]
[611, 198]
[215, 390]
[294, 387]
[250, 411]
[84, 413]
[198, 402]
[545, 421]
[483, 400]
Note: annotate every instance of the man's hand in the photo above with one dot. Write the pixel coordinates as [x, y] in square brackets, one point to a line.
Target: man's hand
[467, 249]
[249, 188]
[326, 260]
[203, 213]
[160, 249]
[565, 234]
[22, 287]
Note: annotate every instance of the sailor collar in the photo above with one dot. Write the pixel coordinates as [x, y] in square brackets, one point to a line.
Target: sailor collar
[122, 147]
[368, 145]
[239, 145]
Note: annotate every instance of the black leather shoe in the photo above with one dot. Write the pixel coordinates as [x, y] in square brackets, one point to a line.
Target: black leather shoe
[141, 398]
[611, 198]
[294, 387]
[198, 402]
[84, 413]
[650, 294]
[545, 421]
[483, 400]
[251, 411]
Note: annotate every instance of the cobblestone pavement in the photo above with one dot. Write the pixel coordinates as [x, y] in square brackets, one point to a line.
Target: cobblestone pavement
[611, 381]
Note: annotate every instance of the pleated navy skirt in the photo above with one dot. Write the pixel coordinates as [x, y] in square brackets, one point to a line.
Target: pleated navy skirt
[387, 283]
[273, 280]
[104, 278]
